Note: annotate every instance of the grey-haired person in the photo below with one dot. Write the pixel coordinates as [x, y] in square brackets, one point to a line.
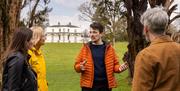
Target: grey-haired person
[157, 67]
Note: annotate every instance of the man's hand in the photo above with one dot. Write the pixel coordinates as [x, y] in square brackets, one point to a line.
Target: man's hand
[82, 65]
[123, 67]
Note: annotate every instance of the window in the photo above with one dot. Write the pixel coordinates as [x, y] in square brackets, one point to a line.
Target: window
[75, 30]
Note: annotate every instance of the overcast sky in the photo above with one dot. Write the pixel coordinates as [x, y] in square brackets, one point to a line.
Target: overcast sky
[65, 11]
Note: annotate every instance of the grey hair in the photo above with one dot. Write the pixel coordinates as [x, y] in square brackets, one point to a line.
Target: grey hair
[156, 19]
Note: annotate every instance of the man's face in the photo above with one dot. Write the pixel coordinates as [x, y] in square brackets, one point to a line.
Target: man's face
[95, 35]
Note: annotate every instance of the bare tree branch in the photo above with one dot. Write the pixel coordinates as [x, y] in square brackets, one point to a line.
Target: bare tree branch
[173, 8]
[173, 19]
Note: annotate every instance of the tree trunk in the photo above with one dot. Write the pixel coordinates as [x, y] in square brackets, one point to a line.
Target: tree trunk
[134, 29]
[135, 8]
[9, 20]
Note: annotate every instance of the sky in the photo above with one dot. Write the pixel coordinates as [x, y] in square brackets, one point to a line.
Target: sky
[65, 11]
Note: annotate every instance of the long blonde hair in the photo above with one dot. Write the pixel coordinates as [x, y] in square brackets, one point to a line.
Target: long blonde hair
[37, 33]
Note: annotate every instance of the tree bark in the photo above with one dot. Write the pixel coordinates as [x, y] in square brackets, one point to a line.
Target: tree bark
[9, 20]
[134, 29]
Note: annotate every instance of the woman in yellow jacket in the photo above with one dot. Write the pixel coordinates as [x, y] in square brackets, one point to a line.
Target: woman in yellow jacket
[37, 60]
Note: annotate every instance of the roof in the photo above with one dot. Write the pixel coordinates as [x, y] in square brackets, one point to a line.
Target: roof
[69, 25]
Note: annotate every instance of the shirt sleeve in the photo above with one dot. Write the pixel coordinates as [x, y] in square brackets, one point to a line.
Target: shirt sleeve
[116, 62]
[79, 58]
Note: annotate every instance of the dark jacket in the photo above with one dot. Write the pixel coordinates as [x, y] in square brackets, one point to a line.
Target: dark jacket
[17, 74]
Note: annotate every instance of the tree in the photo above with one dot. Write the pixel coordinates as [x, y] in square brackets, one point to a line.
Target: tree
[37, 14]
[10, 11]
[135, 9]
[134, 29]
[87, 11]
[107, 12]
[9, 19]
[121, 33]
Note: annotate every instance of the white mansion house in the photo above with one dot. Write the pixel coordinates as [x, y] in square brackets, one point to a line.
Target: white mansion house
[65, 33]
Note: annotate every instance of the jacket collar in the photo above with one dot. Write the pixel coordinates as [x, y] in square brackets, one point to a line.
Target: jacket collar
[35, 50]
[162, 39]
[104, 42]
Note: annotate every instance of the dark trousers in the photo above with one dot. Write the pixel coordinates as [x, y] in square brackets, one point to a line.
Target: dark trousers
[98, 86]
[96, 89]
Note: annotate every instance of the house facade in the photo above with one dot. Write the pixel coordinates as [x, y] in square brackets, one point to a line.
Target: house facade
[65, 34]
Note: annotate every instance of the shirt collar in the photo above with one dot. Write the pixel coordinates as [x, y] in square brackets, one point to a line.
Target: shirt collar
[162, 39]
[35, 50]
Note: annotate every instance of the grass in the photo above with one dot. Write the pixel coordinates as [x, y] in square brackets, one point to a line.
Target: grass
[60, 59]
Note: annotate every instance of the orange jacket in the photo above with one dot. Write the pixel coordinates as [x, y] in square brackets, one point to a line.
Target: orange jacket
[111, 64]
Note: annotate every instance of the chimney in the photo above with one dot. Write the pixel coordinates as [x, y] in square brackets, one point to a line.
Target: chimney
[69, 23]
[59, 23]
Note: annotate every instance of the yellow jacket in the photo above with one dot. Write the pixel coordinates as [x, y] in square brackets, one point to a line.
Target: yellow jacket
[38, 64]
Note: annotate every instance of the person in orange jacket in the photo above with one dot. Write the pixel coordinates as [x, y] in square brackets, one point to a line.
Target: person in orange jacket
[37, 60]
[97, 62]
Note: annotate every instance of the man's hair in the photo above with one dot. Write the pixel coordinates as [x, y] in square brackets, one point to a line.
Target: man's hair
[97, 26]
[156, 19]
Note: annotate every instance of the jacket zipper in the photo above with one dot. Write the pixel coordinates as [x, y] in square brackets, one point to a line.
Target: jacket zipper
[105, 63]
[92, 78]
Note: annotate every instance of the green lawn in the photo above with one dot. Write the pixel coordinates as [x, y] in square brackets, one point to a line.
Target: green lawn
[60, 72]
